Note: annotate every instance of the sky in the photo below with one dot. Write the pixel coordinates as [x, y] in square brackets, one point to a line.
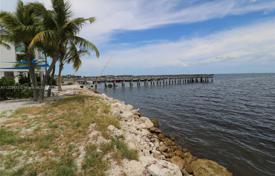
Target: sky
[137, 37]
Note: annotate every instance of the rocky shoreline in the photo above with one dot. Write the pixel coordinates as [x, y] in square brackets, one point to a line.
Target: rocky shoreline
[159, 155]
[149, 151]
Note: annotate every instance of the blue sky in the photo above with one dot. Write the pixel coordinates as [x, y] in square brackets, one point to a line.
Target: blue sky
[176, 36]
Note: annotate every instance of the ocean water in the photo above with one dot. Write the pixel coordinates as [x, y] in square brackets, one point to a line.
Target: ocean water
[231, 121]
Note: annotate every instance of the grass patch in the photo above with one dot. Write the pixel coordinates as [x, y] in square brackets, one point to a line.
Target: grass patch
[45, 141]
[48, 132]
[119, 150]
[51, 124]
[102, 123]
[66, 166]
[3, 114]
[123, 149]
[10, 160]
[94, 165]
[8, 137]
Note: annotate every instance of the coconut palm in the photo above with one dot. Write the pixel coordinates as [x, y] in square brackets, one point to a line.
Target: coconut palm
[20, 28]
[59, 30]
[72, 56]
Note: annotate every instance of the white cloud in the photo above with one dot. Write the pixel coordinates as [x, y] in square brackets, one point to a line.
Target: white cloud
[117, 15]
[244, 44]
[143, 14]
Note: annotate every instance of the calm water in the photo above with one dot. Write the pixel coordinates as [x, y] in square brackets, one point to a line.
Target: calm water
[231, 121]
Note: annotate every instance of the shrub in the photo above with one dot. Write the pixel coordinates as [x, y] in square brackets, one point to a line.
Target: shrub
[9, 89]
[5, 92]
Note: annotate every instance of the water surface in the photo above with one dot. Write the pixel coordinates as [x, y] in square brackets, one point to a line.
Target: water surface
[231, 121]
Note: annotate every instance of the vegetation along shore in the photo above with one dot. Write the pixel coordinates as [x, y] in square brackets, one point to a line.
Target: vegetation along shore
[79, 132]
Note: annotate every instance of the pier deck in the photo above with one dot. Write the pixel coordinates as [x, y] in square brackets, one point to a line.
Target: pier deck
[113, 81]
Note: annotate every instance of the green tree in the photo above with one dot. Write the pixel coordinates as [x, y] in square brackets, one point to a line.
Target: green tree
[72, 56]
[59, 31]
[20, 28]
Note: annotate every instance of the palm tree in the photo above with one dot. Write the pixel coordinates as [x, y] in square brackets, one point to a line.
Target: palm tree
[60, 30]
[20, 28]
[72, 56]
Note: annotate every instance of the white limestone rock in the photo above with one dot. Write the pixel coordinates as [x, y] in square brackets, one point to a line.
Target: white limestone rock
[133, 168]
[114, 131]
[146, 122]
[164, 168]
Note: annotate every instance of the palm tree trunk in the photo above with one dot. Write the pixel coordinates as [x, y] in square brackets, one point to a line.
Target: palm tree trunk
[33, 82]
[50, 70]
[61, 65]
[51, 82]
[33, 78]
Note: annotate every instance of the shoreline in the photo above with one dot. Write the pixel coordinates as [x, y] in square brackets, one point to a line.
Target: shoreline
[158, 154]
[162, 147]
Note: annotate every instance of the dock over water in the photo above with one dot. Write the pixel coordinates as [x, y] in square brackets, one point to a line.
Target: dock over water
[145, 80]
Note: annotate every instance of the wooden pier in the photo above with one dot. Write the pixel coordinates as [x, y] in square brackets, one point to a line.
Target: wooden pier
[146, 80]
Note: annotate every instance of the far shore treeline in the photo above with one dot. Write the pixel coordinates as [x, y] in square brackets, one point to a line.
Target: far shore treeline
[53, 32]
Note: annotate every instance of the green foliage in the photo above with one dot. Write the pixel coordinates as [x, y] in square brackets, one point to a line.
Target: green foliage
[9, 89]
[45, 141]
[10, 160]
[63, 167]
[19, 28]
[7, 137]
[24, 81]
[7, 81]
[52, 31]
[120, 150]
[51, 124]
[53, 133]
[94, 165]
[66, 166]
[123, 149]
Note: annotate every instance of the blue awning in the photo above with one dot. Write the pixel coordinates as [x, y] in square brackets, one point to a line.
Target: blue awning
[25, 67]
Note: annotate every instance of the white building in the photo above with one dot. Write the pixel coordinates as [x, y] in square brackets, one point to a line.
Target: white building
[8, 62]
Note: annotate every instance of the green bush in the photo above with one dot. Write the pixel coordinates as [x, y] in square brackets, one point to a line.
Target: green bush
[9, 89]
[7, 81]
[23, 80]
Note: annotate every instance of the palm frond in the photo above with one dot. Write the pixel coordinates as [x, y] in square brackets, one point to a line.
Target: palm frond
[75, 25]
[74, 57]
[20, 10]
[40, 12]
[85, 44]
[62, 11]
[9, 21]
[46, 37]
